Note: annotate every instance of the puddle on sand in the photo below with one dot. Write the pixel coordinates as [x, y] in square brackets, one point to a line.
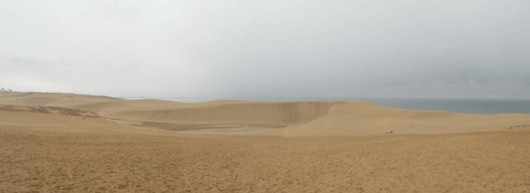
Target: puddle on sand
[237, 130]
[234, 128]
[114, 120]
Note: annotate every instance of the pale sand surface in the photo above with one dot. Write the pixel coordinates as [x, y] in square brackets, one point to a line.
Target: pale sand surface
[66, 142]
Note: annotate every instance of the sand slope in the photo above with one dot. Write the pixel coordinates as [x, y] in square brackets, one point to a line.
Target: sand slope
[72, 143]
[301, 118]
[52, 159]
[244, 112]
[357, 118]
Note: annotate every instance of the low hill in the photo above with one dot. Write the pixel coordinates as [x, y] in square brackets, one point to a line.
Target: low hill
[299, 118]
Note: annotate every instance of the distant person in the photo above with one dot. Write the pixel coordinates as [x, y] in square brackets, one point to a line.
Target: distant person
[412, 132]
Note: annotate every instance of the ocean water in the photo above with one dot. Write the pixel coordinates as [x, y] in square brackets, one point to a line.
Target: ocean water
[458, 105]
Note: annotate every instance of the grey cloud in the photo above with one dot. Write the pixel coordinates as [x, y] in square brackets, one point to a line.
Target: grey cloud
[269, 48]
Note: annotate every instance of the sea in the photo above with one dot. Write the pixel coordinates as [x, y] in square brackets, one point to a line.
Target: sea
[457, 105]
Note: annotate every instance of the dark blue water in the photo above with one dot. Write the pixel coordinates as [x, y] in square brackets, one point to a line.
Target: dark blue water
[469, 106]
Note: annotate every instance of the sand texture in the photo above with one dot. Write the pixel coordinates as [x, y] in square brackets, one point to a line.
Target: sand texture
[74, 143]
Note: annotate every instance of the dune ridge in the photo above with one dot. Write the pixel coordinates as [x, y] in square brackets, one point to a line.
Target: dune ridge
[75, 143]
[301, 118]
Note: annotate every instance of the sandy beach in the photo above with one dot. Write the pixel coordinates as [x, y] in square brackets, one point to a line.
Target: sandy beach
[77, 143]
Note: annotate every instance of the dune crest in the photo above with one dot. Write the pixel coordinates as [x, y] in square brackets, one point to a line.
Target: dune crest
[75, 143]
[354, 118]
[300, 118]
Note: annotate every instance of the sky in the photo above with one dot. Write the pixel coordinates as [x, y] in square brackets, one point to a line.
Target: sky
[238, 49]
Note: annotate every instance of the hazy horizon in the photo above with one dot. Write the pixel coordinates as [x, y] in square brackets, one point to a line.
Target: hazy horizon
[271, 97]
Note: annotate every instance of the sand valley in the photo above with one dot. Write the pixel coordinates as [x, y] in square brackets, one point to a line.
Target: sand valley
[77, 143]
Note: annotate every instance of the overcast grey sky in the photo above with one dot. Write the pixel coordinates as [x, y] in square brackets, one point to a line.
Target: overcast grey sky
[240, 48]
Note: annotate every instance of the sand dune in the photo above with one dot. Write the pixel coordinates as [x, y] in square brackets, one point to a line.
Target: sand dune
[300, 118]
[54, 159]
[356, 118]
[75, 143]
